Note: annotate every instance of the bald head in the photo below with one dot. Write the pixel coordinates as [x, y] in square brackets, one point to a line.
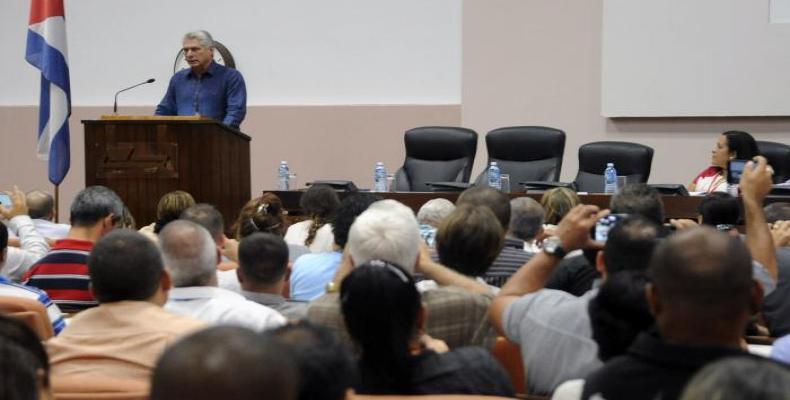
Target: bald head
[189, 253]
[40, 204]
[703, 273]
[225, 363]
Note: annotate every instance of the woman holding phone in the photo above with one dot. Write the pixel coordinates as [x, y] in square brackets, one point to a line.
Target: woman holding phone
[731, 145]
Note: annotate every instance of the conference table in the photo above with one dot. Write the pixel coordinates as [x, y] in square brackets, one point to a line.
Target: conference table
[674, 206]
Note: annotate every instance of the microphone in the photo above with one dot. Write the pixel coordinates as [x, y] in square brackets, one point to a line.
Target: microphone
[115, 104]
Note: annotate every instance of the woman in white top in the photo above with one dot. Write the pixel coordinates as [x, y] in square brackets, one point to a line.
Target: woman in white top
[731, 145]
[319, 203]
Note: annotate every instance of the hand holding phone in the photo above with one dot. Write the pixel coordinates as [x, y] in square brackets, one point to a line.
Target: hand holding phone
[605, 224]
[735, 170]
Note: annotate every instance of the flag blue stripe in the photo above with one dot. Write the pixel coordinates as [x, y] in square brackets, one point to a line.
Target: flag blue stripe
[50, 61]
[54, 71]
[60, 155]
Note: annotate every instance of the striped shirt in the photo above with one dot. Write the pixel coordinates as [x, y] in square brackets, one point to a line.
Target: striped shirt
[63, 274]
[509, 260]
[10, 289]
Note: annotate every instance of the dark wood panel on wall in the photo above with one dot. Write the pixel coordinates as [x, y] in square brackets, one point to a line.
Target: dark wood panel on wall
[142, 158]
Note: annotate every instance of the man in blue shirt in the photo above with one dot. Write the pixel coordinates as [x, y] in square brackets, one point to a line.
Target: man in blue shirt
[206, 88]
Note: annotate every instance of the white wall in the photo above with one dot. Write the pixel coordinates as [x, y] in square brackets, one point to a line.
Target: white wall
[290, 51]
[694, 58]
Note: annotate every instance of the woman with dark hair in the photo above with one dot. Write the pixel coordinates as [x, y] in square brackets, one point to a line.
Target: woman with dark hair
[319, 203]
[731, 145]
[24, 364]
[265, 214]
[384, 315]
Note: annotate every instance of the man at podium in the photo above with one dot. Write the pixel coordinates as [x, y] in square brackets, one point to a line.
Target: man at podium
[206, 88]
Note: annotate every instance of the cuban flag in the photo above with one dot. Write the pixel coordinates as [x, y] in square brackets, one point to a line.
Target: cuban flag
[46, 50]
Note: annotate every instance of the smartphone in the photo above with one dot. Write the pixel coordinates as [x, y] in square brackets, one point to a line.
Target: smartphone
[735, 170]
[5, 200]
[605, 224]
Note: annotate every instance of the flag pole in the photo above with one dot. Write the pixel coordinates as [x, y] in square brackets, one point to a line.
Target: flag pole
[57, 204]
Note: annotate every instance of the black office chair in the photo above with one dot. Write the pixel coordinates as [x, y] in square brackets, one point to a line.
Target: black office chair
[526, 153]
[778, 155]
[632, 160]
[436, 154]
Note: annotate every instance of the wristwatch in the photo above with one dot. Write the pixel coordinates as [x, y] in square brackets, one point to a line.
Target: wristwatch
[552, 245]
[332, 288]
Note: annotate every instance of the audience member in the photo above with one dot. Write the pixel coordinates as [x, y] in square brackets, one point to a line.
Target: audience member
[384, 315]
[639, 198]
[8, 288]
[776, 308]
[326, 369]
[468, 241]
[539, 318]
[122, 337]
[207, 216]
[63, 272]
[225, 363]
[512, 255]
[430, 216]
[731, 145]
[702, 295]
[191, 256]
[557, 202]
[262, 272]
[389, 231]
[619, 313]
[168, 209]
[319, 202]
[738, 378]
[18, 260]
[266, 214]
[41, 208]
[24, 365]
[719, 210]
[526, 222]
[312, 272]
[577, 273]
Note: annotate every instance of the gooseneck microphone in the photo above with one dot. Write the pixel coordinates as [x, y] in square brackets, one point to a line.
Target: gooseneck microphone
[115, 104]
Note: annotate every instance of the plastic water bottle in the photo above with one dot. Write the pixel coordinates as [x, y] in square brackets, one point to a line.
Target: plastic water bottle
[282, 176]
[494, 176]
[380, 178]
[610, 179]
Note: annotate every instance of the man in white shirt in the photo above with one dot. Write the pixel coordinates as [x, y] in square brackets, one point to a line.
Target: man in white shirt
[191, 256]
[32, 245]
[42, 212]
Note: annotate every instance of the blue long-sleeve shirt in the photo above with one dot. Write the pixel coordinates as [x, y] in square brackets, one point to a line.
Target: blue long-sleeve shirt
[220, 93]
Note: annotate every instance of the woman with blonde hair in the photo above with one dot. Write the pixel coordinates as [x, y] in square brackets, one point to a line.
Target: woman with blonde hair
[169, 208]
[557, 202]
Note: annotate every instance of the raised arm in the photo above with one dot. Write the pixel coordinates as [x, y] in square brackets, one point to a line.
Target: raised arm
[755, 184]
[573, 233]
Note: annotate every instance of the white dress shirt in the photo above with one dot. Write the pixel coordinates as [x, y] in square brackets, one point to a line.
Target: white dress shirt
[219, 306]
[32, 247]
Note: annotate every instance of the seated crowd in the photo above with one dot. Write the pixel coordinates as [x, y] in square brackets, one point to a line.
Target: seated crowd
[365, 297]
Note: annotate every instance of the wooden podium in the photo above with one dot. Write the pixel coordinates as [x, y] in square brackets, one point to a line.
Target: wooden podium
[143, 157]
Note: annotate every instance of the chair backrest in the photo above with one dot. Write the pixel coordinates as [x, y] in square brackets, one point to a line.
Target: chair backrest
[29, 311]
[778, 155]
[436, 154]
[632, 160]
[98, 388]
[526, 153]
[509, 355]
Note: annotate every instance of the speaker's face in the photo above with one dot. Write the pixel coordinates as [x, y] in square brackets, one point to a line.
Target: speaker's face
[721, 153]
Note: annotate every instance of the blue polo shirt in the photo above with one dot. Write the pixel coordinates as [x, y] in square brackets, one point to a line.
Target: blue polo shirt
[220, 93]
[310, 274]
